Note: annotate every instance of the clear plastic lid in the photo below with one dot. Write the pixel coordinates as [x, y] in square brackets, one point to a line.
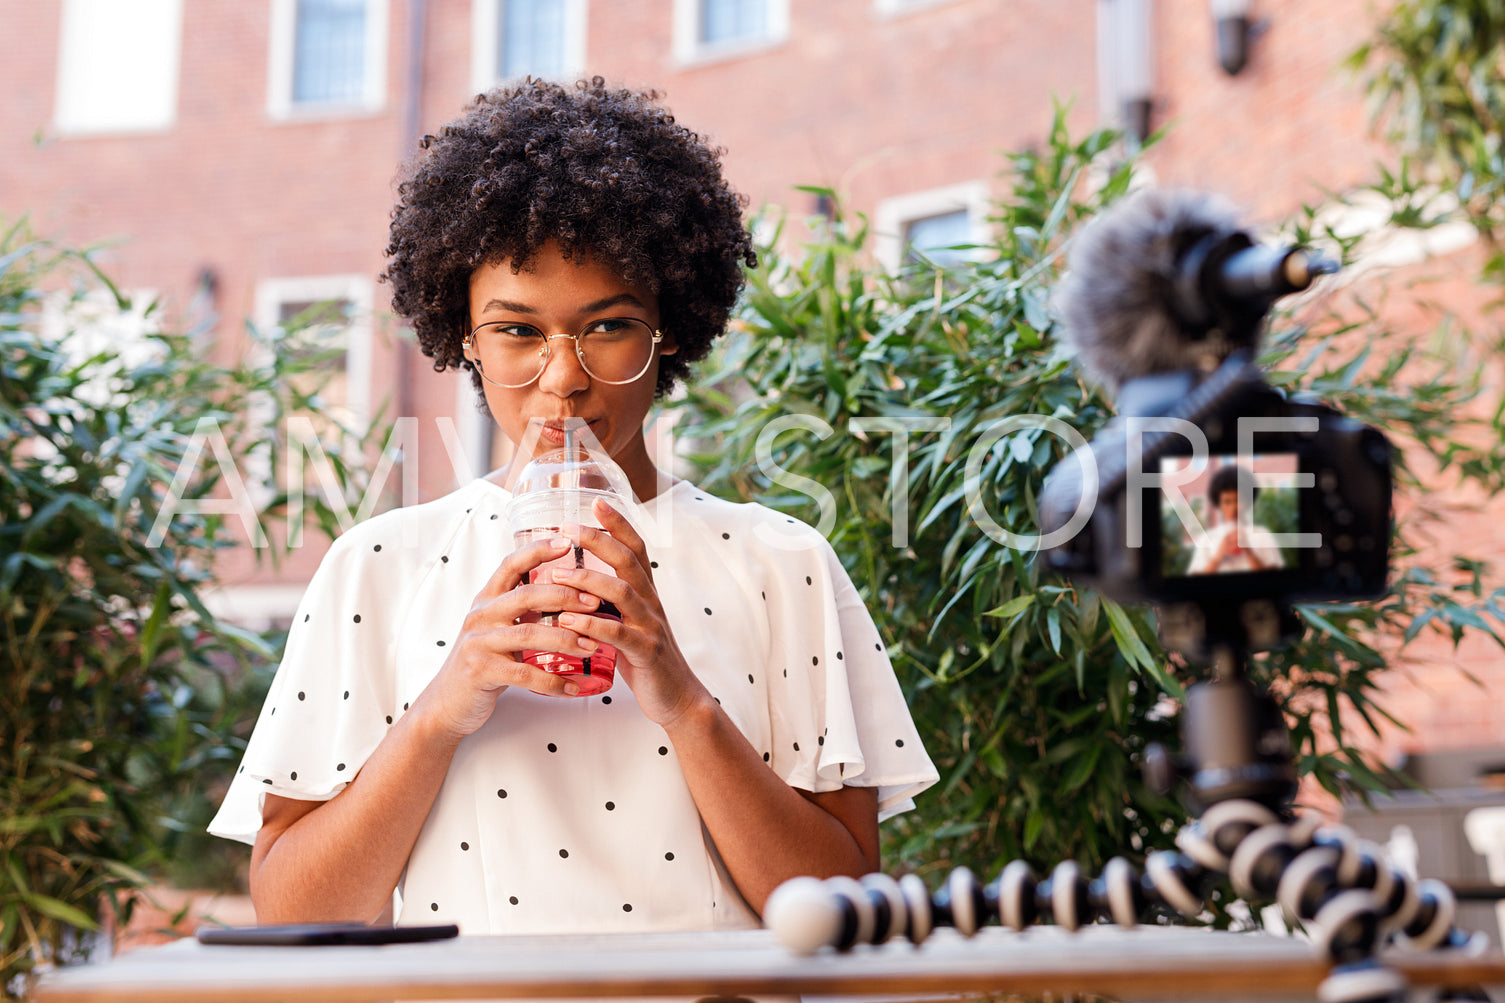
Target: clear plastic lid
[579, 465]
[565, 470]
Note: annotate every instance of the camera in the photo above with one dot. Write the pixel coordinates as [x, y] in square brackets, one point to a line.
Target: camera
[1210, 487]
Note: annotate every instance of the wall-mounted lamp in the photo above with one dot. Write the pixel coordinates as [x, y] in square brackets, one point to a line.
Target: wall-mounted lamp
[1125, 30]
[1234, 33]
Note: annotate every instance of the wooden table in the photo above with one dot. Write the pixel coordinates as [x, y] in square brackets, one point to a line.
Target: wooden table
[1149, 962]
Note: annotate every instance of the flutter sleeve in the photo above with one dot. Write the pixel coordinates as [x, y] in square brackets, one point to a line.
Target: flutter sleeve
[837, 713]
[330, 702]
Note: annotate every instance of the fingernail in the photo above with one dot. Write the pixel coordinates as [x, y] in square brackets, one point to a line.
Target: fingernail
[563, 574]
[570, 689]
[587, 644]
[568, 619]
[561, 543]
[570, 530]
[589, 600]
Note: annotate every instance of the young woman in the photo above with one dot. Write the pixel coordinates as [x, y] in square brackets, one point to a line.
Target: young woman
[755, 732]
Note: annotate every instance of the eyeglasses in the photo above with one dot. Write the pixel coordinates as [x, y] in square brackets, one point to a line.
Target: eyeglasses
[613, 350]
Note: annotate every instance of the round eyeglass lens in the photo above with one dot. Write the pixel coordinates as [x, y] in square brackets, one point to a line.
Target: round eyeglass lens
[617, 350]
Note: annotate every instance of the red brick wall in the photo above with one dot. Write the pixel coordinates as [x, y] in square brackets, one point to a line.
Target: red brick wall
[876, 106]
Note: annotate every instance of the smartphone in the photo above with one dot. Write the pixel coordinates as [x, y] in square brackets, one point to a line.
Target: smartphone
[323, 934]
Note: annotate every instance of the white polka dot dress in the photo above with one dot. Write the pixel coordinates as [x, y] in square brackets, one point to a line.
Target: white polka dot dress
[572, 815]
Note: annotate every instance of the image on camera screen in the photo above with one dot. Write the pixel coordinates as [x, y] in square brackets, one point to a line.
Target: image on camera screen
[1224, 514]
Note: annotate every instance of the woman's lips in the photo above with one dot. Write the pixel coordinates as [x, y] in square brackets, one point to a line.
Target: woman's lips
[555, 433]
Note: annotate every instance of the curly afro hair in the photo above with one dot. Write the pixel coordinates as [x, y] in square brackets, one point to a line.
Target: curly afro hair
[1230, 477]
[606, 174]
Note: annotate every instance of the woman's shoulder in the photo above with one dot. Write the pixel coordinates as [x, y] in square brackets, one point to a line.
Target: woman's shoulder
[754, 520]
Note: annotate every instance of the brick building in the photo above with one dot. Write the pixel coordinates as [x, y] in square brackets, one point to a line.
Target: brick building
[241, 153]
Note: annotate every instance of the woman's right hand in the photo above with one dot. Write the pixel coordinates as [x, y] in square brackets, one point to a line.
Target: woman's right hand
[486, 656]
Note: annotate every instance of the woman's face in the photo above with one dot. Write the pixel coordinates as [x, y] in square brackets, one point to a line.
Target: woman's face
[561, 297]
[1228, 505]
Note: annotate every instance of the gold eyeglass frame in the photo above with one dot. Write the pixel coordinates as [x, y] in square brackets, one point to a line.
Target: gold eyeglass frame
[469, 345]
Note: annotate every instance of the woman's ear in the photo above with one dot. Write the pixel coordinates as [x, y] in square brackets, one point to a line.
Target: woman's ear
[668, 346]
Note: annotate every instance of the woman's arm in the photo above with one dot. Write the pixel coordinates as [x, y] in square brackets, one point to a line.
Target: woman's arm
[340, 859]
[765, 831]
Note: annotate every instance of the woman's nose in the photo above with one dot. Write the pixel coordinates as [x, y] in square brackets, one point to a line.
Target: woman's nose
[563, 374]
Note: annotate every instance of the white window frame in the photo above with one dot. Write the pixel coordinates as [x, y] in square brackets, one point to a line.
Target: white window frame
[689, 50]
[485, 21]
[153, 61]
[894, 8]
[893, 215]
[357, 290]
[282, 45]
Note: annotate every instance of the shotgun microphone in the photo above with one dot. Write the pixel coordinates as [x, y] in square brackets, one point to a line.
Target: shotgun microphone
[1168, 280]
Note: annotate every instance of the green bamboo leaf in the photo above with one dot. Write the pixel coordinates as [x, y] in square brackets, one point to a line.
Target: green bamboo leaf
[1012, 608]
[60, 911]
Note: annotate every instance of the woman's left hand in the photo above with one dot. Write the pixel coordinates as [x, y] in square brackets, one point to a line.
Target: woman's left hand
[647, 654]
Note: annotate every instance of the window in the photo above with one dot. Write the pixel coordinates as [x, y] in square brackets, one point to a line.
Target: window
[327, 56]
[935, 237]
[331, 312]
[711, 29]
[118, 66]
[517, 38]
[930, 225]
[904, 6]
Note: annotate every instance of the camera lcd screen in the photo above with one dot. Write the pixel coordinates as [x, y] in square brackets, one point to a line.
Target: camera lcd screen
[1228, 515]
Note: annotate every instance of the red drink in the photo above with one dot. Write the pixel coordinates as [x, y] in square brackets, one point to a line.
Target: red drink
[593, 673]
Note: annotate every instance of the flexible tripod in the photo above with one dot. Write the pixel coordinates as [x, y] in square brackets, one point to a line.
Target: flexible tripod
[1342, 889]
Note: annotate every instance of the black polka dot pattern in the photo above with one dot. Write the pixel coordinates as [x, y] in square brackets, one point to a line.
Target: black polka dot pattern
[797, 615]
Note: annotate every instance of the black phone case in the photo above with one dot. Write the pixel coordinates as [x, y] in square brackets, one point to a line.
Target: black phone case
[323, 934]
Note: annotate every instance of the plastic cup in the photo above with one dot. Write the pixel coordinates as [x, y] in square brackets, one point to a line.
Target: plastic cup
[555, 489]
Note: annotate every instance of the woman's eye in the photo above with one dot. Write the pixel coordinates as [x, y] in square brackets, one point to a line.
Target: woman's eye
[611, 325]
[516, 332]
